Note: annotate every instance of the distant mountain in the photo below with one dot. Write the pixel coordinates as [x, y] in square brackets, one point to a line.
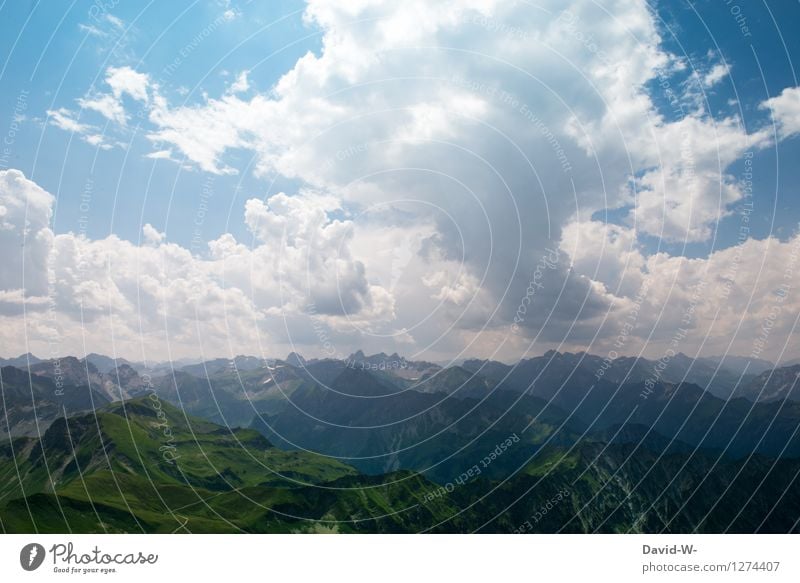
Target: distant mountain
[553, 369]
[774, 385]
[217, 365]
[456, 381]
[677, 410]
[543, 376]
[21, 361]
[719, 375]
[105, 364]
[70, 370]
[128, 378]
[366, 422]
[481, 447]
[359, 417]
[598, 393]
[31, 403]
[392, 364]
[740, 364]
[328, 406]
[294, 359]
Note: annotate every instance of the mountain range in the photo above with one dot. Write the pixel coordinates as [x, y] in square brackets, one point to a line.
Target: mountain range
[383, 444]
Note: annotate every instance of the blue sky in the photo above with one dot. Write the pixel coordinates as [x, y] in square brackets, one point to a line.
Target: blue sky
[393, 173]
[56, 58]
[762, 60]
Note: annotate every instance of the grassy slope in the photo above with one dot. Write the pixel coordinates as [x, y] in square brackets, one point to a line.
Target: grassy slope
[108, 473]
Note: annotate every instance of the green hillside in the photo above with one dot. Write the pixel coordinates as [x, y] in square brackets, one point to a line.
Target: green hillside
[142, 465]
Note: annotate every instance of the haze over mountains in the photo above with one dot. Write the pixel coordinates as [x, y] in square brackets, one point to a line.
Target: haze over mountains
[655, 441]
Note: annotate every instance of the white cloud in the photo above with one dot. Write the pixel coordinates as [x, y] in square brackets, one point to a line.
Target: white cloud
[25, 235]
[203, 133]
[160, 155]
[63, 118]
[505, 127]
[151, 235]
[241, 85]
[690, 191]
[605, 253]
[371, 101]
[115, 21]
[98, 141]
[92, 30]
[738, 299]
[108, 106]
[786, 110]
[309, 253]
[717, 73]
[160, 292]
[124, 80]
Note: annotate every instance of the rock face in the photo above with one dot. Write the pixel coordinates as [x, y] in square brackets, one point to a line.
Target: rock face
[32, 402]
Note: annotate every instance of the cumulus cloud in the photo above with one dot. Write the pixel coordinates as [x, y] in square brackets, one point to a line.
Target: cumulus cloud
[241, 84]
[163, 293]
[126, 81]
[151, 234]
[160, 155]
[504, 128]
[372, 102]
[690, 190]
[25, 235]
[309, 252]
[606, 253]
[122, 81]
[786, 110]
[106, 105]
[738, 299]
[717, 73]
[64, 119]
